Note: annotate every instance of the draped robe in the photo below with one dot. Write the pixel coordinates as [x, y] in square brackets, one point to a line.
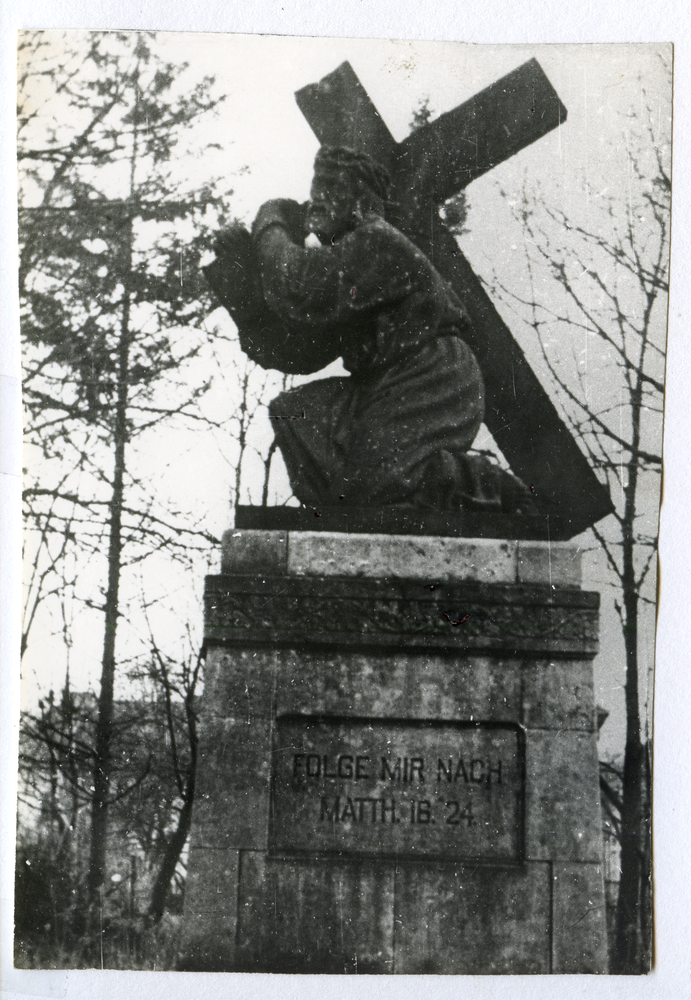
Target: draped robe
[397, 430]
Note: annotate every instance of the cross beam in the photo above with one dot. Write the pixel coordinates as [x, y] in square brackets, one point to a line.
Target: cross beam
[429, 166]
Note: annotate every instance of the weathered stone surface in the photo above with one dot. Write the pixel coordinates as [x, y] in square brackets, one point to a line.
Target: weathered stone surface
[398, 685]
[332, 917]
[346, 611]
[249, 684]
[211, 903]
[319, 553]
[578, 944]
[232, 801]
[563, 820]
[342, 683]
[472, 921]
[558, 694]
[398, 789]
[255, 552]
[239, 683]
[355, 654]
[212, 884]
[464, 687]
[410, 557]
[552, 563]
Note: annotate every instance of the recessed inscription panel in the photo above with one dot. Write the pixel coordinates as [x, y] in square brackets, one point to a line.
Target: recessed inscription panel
[421, 789]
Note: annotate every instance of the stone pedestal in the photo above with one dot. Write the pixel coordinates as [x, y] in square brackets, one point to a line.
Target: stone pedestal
[398, 768]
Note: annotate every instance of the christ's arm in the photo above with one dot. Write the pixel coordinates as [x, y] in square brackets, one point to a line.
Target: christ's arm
[371, 266]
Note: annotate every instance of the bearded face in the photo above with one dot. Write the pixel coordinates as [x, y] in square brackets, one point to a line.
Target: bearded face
[333, 204]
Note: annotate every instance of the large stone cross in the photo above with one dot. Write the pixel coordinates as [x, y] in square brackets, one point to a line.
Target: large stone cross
[432, 164]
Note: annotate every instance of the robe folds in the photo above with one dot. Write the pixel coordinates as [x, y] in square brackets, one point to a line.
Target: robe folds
[398, 429]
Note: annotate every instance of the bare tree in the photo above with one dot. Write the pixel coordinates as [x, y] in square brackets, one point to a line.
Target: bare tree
[176, 685]
[153, 768]
[608, 292]
[105, 276]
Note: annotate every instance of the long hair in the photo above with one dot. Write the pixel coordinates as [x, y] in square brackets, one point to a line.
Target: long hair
[361, 165]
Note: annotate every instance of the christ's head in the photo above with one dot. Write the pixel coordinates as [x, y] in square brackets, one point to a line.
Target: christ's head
[347, 187]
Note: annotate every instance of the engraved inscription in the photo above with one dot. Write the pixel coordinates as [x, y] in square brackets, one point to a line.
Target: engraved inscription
[425, 789]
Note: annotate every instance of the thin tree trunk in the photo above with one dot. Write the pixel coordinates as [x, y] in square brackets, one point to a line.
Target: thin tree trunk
[629, 947]
[267, 472]
[633, 931]
[242, 434]
[102, 761]
[631, 950]
[646, 902]
[171, 856]
[104, 722]
[177, 841]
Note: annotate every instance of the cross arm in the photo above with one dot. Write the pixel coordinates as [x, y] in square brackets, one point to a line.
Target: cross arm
[492, 126]
[340, 113]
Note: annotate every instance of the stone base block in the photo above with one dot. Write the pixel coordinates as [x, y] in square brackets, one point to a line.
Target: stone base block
[398, 769]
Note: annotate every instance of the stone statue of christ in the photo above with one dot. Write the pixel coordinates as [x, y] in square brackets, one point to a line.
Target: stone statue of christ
[397, 430]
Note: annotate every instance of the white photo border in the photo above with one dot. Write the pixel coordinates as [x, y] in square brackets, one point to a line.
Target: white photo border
[494, 21]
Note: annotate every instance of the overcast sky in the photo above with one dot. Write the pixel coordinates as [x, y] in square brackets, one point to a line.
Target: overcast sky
[267, 150]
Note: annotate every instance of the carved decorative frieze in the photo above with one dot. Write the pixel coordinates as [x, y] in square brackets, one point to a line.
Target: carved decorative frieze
[283, 610]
